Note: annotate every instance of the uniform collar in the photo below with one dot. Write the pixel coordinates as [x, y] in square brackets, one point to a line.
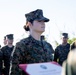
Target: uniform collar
[65, 44]
[35, 41]
[10, 47]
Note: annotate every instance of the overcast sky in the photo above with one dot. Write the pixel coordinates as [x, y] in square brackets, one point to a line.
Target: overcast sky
[62, 15]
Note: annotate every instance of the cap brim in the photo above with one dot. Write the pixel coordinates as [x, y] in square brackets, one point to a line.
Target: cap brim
[10, 38]
[43, 19]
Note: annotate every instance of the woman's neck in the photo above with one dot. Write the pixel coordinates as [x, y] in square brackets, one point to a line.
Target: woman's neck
[35, 35]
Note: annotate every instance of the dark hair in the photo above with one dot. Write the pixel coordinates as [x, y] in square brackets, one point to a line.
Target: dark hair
[27, 27]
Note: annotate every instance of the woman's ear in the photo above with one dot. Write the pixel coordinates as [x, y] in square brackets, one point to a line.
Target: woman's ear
[28, 24]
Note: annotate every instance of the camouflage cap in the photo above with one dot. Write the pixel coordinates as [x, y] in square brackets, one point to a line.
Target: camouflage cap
[10, 36]
[65, 35]
[36, 15]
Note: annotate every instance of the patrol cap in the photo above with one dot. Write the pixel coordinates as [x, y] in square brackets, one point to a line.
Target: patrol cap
[65, 35]
[36, 15]
[10, 36]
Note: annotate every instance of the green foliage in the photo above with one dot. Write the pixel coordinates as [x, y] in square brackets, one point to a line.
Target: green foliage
[56, 43]
[70, 41]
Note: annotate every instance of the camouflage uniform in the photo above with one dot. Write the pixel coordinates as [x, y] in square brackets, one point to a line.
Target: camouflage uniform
[6, 58]
[61, 53]
[29, 51]
[1, 55]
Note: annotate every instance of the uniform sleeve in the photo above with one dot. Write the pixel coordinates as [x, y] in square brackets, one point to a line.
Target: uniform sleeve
[56, 55]
[16, 59]
[52, 50]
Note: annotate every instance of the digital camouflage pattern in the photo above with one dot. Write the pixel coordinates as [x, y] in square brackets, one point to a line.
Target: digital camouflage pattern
[29, 51]
[61, 53]
[6, 58]
[36, 15]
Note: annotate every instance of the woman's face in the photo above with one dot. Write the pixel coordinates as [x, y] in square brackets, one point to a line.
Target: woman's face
[38, 26]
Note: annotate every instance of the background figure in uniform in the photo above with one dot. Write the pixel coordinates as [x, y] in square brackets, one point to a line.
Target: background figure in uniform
[73, 46]
[1, 56]
[5, 41]
[31, 49]
[62, 50]
[43, 39]
[7, 50]
[69, 66]
[0, 46]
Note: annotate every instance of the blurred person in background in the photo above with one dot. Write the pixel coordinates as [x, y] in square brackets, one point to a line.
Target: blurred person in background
[5, 41]
[7, 50]
[69, 66]
[61, 51]
[1, 56]
[73, 46]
